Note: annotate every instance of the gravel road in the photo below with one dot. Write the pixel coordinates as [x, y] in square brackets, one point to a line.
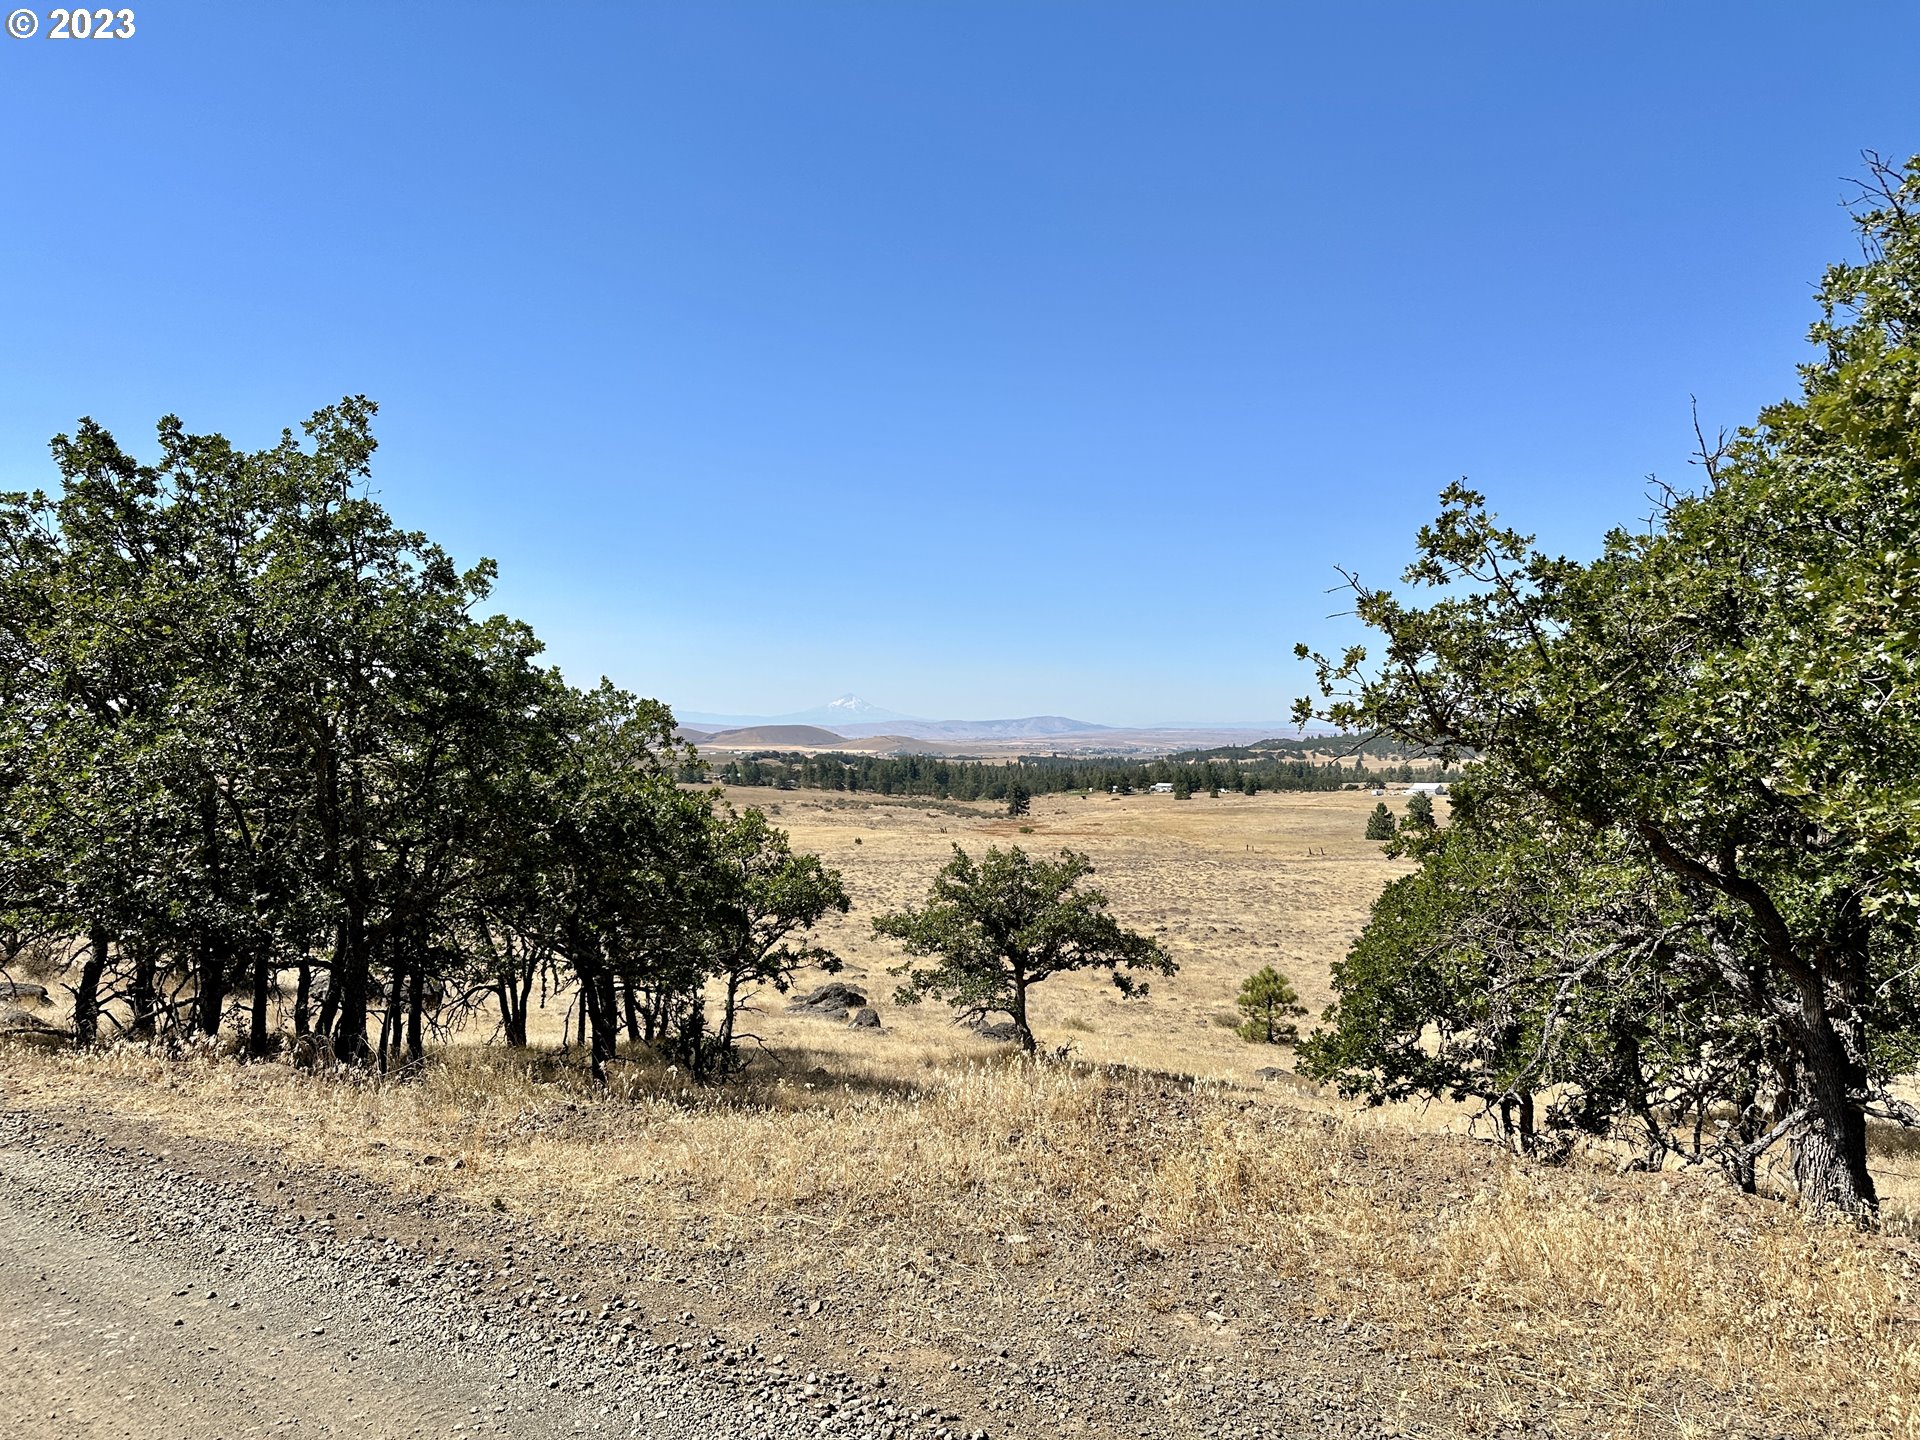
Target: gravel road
[154, 1285]
[141, 1298]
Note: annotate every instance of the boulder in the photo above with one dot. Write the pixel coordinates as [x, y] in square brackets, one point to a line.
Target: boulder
[829, 1002]
[865, 1018]
[25, 994]
[23, 1027]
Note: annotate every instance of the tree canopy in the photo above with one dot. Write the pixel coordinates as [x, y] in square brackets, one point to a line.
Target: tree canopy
[998, 926]
[1728, 700]
[253, 729]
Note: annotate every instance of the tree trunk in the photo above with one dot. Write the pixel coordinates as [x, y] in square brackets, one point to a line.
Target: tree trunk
[210, 992]
[353, 983]
[632, 1004]
[1825, 980]
[1019, 1012]
[599, 1011]
[416, 1006]
[86, 995]
[727, 1016]
[143, 994]
[390, 1019]
[303, 996]
[262, 991]
[1830, 1158]
[1830, 1154]
[210, 998]
[330, 1003]
[354, 980]
[513, 1012]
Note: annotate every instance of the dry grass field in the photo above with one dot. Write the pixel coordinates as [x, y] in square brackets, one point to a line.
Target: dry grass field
[1227, 885]
[1183, 1206]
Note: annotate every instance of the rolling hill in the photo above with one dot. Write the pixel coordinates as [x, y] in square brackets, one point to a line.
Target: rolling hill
[798, 737]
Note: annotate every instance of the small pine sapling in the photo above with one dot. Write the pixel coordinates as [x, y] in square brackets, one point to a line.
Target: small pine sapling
[1270, 1003]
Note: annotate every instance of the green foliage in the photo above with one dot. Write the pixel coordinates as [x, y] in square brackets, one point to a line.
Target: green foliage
[1270, 1004]
[1729, 699]
[253, 727]
[1000, 925]
[1526, 958]
[1419, 811]
[1019, 800]
[1380, 824]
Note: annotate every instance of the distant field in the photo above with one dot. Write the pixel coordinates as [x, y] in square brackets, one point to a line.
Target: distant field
[1227, 885]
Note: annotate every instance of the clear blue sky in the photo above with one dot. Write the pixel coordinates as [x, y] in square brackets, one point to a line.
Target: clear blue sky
[982, 358]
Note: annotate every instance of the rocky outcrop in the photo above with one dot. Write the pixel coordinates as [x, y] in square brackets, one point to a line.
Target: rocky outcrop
[830, 1002]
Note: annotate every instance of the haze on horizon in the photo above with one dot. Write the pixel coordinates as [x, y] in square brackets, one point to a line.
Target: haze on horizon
[849, 708]
[982, 360]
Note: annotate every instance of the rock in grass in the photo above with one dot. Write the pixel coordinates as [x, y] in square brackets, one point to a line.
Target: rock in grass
[829, 1002]
[24, 1027]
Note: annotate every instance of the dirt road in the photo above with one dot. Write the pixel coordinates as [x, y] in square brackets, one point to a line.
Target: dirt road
[213, 1294]
[153, 1285]
[102, 1342]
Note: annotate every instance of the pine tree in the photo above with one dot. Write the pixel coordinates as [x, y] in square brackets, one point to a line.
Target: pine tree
[1271, 1005]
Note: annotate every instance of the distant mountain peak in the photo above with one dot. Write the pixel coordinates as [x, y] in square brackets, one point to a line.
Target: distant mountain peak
[847, 708]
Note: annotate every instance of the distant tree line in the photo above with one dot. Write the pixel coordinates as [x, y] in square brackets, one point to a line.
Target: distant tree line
[265, 768]
[948, 779]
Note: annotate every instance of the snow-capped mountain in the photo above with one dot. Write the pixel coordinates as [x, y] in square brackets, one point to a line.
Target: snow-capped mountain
[848, 710]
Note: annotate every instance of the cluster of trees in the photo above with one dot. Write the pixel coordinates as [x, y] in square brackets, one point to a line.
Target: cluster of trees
[1383, 825]
[263, 759]
[1678, 898]
[1247, 774]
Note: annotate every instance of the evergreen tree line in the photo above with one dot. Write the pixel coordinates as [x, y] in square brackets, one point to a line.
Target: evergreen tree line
[266, 769]
[947, 779]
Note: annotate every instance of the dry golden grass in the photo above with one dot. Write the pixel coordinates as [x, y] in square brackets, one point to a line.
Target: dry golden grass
[1642, 1305]
[1227, 885]
[1652, 1303]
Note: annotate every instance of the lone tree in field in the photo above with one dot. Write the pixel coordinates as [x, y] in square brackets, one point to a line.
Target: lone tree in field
[998, 926]
[1419, 811]
[1019, 801]
[1380, 824]
[1271, 1005]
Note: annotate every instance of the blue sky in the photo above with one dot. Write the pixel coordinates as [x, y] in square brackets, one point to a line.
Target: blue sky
[982, 358]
